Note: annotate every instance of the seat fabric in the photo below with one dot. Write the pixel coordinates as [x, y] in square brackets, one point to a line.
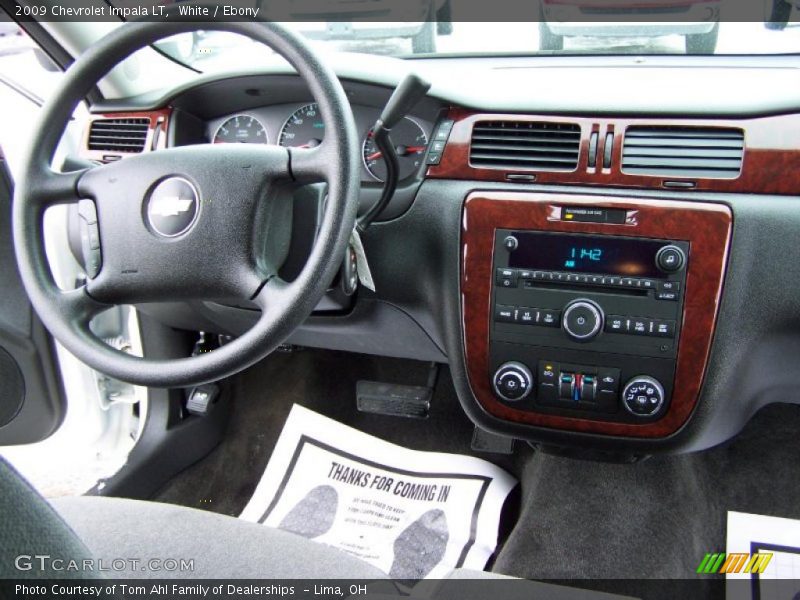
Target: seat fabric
[221, 546]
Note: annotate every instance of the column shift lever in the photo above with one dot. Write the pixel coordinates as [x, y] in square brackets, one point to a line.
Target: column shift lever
[405, 96]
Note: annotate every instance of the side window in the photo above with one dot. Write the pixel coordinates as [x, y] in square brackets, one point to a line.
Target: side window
[27, 78]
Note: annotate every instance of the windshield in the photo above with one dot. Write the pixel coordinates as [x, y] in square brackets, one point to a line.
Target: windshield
[458, 27]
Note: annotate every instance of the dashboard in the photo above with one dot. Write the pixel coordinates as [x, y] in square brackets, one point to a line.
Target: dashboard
[606, 279]
[299, 124]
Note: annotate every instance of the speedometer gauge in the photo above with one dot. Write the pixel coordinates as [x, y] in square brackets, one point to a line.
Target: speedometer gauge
[304, 128]
[241, 129]
[410, 142]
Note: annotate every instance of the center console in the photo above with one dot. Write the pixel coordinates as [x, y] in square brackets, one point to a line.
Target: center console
[589, 313]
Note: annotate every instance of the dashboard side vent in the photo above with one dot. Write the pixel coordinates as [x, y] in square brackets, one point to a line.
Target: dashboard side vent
[119, 135]
[711, 152]
[525, 145]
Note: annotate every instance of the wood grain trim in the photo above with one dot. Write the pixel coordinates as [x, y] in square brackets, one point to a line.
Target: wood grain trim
[159, 125]
[772, 153]
[707, 227]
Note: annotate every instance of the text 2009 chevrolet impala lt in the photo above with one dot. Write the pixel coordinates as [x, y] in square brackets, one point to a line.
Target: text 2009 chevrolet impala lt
[534, 313]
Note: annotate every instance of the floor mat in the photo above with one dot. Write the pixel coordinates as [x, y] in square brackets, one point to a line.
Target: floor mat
[411, 514]
[762, 559]
[655, 519]
[324, 381]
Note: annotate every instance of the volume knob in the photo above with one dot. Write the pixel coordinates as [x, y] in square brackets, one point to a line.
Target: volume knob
[583, 320]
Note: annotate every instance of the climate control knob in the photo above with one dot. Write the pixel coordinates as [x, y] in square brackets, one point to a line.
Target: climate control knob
[643, 396]
[512, 381]
[583, 320]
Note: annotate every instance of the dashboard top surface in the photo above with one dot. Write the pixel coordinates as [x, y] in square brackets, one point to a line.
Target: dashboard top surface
[633, 85]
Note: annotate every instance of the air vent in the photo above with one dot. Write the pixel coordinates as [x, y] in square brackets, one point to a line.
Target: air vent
[521, 145]
[119, 135]
[683, 151]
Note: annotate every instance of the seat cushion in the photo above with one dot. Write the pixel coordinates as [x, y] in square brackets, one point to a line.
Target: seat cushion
[221, 546]
[30, 527]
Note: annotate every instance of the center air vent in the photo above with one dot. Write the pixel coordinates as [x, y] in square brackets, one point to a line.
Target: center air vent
[683, 151]
[119, 135]
[522, 145]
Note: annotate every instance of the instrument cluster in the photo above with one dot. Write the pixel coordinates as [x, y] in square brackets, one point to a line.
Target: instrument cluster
[302, 126]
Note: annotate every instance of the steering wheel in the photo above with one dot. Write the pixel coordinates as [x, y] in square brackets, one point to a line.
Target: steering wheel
[194, 222]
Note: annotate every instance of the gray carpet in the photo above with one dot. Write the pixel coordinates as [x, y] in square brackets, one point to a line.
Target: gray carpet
[655, 519]
[324, 381]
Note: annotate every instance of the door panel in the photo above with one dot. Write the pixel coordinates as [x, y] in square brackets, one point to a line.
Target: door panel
[32, 402]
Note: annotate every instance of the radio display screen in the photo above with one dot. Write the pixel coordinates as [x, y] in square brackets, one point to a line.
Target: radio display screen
[626, 257]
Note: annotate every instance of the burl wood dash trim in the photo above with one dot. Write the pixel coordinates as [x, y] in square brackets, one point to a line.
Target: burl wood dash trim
[706, 226]
[769, 165]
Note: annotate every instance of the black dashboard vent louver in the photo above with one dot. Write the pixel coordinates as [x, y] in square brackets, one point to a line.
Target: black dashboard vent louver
[524, 145]
[711, 152]
[119, 135]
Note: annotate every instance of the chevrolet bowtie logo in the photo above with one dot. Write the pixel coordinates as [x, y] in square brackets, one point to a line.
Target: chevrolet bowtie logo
[170, 206]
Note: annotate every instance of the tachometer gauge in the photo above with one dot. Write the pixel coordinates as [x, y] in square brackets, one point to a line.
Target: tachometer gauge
[241, 129]
[304, 128]
[410, 142]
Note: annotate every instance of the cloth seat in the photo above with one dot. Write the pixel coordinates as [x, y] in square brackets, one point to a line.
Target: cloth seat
[219, 546]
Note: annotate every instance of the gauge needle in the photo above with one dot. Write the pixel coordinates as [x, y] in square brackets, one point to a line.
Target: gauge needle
[311, 144]
[401, 151]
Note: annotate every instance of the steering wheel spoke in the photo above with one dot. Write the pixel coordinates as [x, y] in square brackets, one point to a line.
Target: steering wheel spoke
[78, 306]
[50, 187]
[310, 165]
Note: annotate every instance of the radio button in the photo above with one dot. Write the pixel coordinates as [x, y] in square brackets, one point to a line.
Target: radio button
[527, 316]
[669, 286]
[640, 326]
[664, 329]
[648, 284]
[506, 278]
[525, 274]
[597, 279]
[612, 280]
[583, 320]
[616, 324]
[549, 318]
[505, 314]
[672, 296]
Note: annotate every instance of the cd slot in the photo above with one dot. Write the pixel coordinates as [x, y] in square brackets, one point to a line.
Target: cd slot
[548, 285]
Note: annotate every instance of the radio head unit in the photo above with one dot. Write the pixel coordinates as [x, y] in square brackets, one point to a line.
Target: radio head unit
[586, 325]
